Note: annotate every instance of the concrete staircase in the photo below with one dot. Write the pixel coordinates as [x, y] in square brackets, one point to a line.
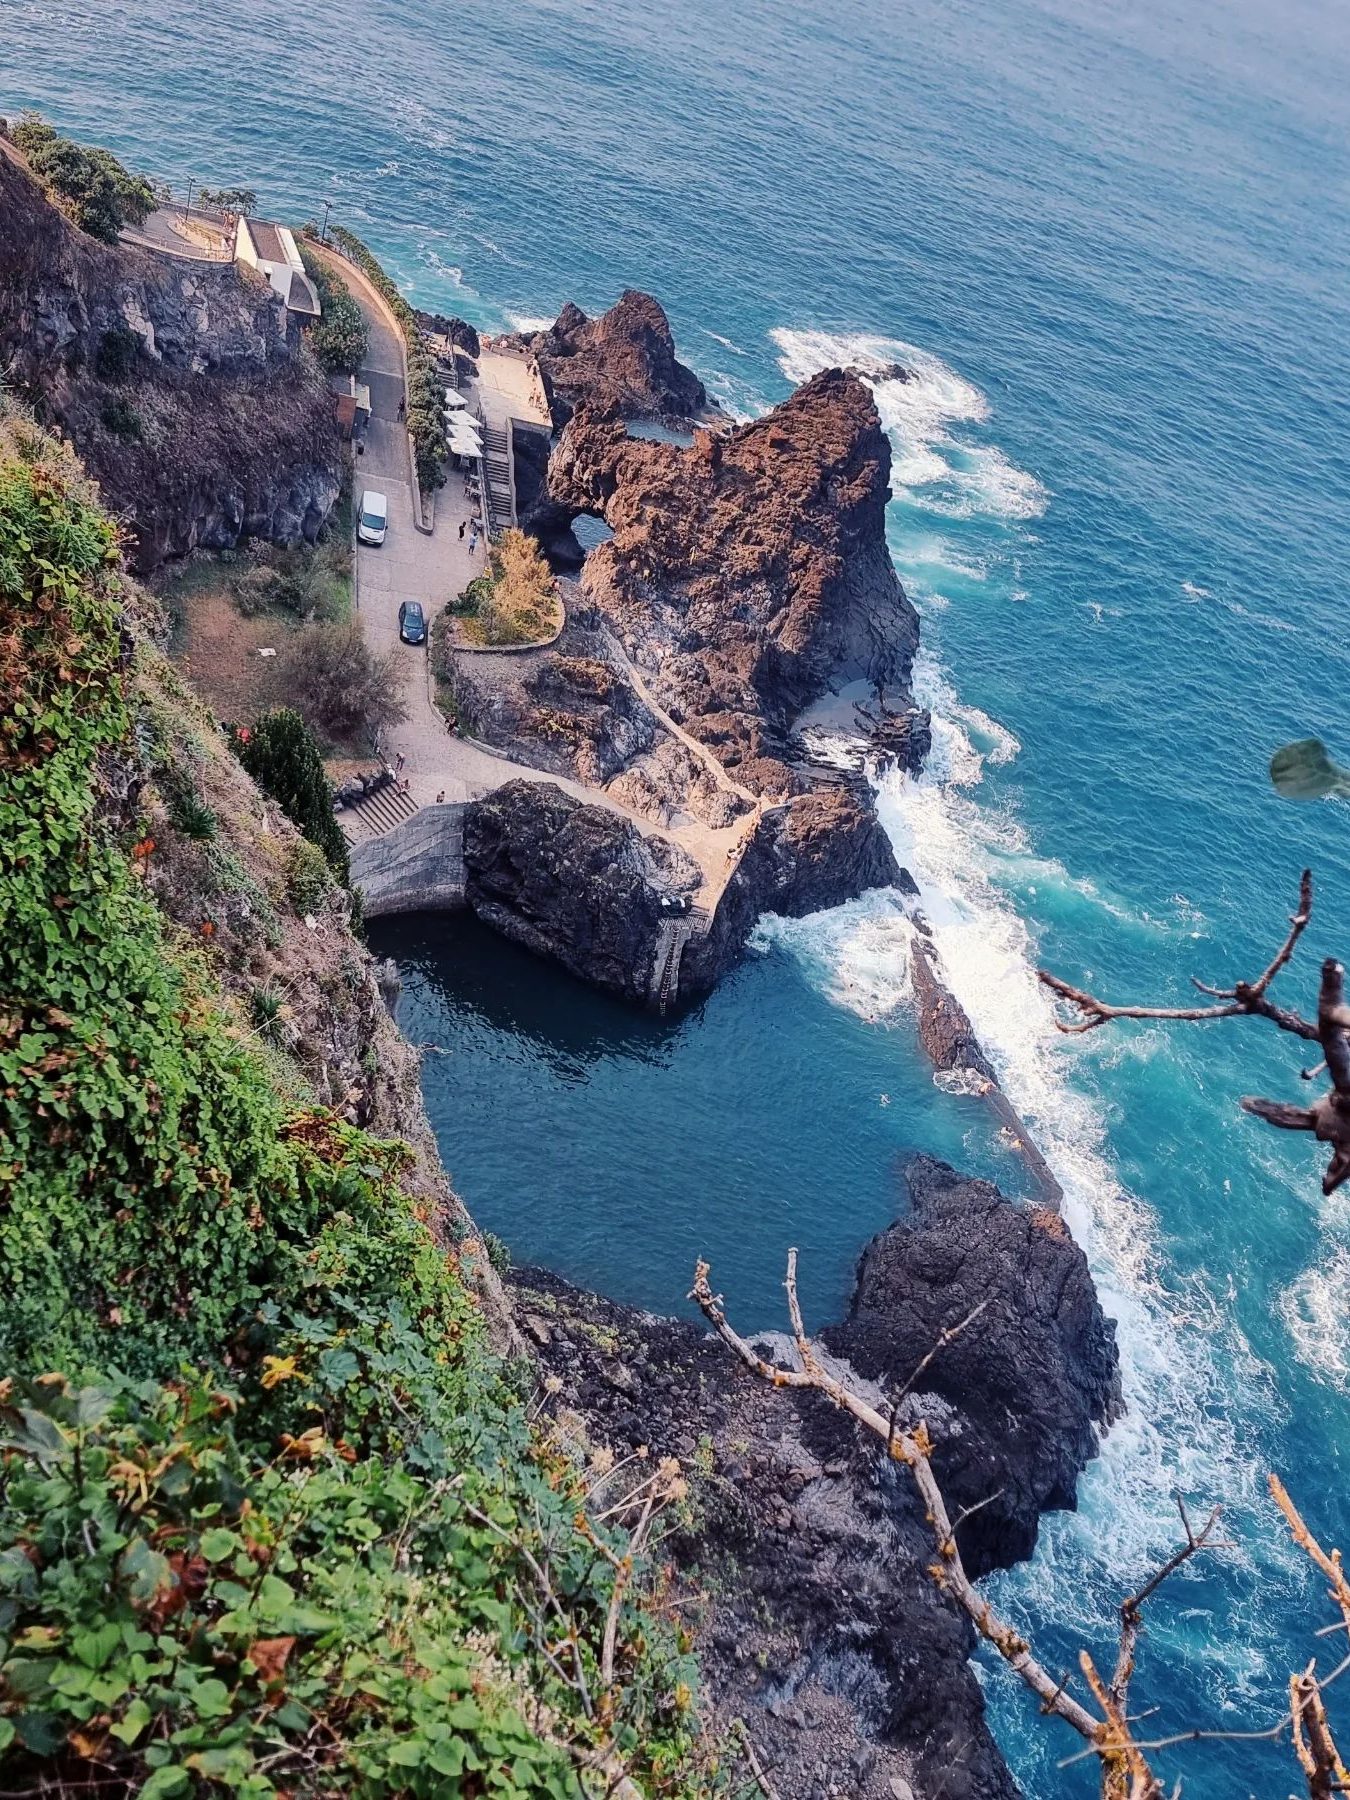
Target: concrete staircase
[671, 939]
[497, 475]
[377, 813]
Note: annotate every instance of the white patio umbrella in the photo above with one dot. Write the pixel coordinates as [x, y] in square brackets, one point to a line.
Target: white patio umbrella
[454, 400]
[466, 443]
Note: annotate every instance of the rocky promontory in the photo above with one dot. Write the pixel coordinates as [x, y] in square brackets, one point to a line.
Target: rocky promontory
[803, 1556]
[183, 384]
[622, 365]
[746, 576]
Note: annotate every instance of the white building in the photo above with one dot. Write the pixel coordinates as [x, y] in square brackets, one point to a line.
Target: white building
[272, 251]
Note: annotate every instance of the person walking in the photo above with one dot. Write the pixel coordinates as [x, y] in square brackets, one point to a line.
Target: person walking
[399, 761]
[463, 527]
[402, 406]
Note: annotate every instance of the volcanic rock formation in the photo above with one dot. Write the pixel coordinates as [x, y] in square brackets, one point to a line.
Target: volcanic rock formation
[622, 364]
[182, 384]
[1030, 1381]
[804, 1556]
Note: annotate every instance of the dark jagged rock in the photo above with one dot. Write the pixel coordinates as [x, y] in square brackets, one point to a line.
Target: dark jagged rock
[622, 364]
[822, 849]
[217, 425]
[456, 332]
[576, 883]
[945, 1030]
[1029, 1382]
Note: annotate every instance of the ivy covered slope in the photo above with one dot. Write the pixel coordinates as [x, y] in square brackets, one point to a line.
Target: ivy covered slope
[273, 1517]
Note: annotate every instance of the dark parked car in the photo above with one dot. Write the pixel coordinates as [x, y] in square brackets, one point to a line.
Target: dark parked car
[412, 624]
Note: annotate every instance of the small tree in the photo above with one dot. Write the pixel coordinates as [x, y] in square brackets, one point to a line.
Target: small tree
[91, 186]
[281, 755]
[340, 337]
[339, 686]
[228, 200]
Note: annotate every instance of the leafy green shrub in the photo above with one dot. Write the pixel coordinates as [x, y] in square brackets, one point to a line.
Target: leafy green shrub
[117, 352]
[281, 755]
[189, 813]
[295, 1544]
[256, 589]
[309, 880]
[91, 187]
[425, 397]
[228, 200]
[121, 418]
[269, 1011]
[340, 338]
[339, 686]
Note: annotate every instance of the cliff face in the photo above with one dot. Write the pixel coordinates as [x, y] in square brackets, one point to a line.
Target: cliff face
[189, 397]
[622, 364]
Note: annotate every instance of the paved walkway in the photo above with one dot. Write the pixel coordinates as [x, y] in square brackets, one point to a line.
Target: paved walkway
[164, 230]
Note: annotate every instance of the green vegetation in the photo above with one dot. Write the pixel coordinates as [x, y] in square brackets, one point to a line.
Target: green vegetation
[90, 186]
[117, 352]
[425, 389]
[281, 755]
[307, 582]
[273, 1517]
[340, 337]
[344, 691]
[120, 417]
[228, 200]
[516, 600]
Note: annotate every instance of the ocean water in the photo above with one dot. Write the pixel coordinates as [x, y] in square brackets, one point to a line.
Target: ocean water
[1112, 244]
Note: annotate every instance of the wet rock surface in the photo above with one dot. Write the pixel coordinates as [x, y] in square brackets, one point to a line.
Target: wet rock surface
[802, 1555]
[182, 384]
[1029, 1382]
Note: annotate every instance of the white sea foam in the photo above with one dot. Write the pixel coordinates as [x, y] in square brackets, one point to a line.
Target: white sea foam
[936, 466]
[527, 322]
[1193, 1387]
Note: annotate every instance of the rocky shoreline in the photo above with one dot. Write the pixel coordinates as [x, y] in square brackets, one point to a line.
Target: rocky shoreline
[802, 1555]
[746, 580]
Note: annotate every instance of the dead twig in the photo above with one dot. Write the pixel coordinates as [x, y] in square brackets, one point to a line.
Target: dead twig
[1328, 1118]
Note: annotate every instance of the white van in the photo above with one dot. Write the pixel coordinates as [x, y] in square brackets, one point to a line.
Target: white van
[373, 519]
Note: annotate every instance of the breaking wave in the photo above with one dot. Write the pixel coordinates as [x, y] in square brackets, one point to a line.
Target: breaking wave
[939, 467]
[1193, 1387]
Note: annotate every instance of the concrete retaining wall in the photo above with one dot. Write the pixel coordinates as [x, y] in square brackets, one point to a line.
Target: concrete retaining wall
[416, 867]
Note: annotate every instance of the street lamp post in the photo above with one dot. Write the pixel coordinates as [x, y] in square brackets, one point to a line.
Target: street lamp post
[323, 234]
[187, 204]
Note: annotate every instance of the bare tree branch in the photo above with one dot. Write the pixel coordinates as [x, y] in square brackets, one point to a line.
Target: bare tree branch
[1328, 1118]
[1242, 998]
[910, 1447]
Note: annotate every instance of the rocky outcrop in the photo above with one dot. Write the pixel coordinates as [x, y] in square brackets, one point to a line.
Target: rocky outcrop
[803, 1554]
[576, 883]
[749, 574]
[801, 1558]
[622, 365]
[182, 384]
[1015, 1402]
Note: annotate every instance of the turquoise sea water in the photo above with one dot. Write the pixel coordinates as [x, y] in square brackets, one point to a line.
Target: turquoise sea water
[1114, 245]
